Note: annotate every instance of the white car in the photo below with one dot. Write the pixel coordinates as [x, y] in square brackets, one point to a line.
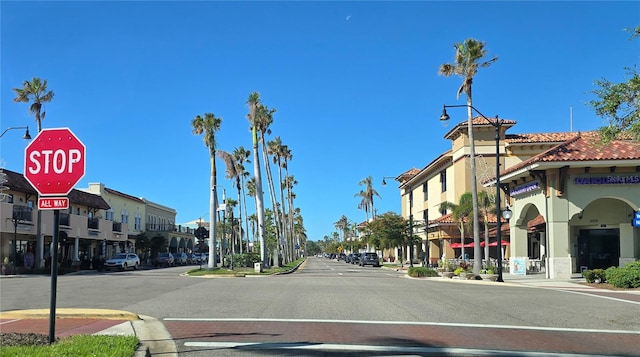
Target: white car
[123, 261]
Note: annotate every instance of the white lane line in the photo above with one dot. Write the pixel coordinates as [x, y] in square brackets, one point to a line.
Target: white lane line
[602, 297]
[408, 323]
[10, 321]
[371, 348]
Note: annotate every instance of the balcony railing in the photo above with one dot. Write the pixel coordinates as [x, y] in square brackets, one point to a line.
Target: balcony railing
[22, 213]
[92, 223]
[117, 227]
[160, 227]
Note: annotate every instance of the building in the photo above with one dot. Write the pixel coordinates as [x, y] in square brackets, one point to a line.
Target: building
[561, 224]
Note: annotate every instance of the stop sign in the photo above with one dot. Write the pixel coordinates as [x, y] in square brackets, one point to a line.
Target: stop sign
[54, 162]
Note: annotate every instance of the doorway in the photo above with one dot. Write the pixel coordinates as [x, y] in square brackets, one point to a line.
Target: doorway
[599, 248]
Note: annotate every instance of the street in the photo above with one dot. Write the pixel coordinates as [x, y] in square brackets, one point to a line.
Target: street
[330, 307]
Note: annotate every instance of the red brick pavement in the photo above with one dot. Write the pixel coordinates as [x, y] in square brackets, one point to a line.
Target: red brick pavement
[63, 327]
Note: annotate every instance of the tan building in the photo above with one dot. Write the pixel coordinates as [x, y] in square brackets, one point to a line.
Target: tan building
[561, 223]
[84, 231]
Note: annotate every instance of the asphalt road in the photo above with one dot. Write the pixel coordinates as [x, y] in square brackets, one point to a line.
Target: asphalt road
[333, 308]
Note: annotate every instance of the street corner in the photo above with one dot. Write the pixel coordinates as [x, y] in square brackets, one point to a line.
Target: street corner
[71, 313]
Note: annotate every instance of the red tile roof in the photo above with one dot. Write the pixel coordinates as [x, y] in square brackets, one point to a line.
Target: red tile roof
[539, 138]
[583, 147]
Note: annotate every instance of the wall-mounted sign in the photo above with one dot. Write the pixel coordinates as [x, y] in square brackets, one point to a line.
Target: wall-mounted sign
[636, 219]
[608, 180]
[526, 188]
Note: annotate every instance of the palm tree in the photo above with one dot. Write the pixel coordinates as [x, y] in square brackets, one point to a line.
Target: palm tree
[364, 204]
[486, 202]
[466, 64]
[274, 148]
[368, 193]
[36, 92]
[242, 155]
[295, 231]
[209, 125]
[460, 212]
[254, 104]
[233, 174]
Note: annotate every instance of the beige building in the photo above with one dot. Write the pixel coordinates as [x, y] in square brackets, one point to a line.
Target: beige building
[572, 199]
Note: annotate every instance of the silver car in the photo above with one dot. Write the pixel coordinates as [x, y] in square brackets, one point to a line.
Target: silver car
[123, 261]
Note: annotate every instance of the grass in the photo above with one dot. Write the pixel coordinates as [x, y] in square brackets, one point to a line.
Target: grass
[243, 271]
[79, 345]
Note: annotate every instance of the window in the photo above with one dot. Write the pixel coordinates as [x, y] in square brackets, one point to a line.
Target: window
[9, 198]
[109, 215]
[124, 216]
[137, 223]
[425, 191]
[443, 181]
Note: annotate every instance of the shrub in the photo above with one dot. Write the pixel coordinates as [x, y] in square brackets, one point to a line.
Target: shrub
[458, 271]
[625, 277]
[421, 272]
[594, 276]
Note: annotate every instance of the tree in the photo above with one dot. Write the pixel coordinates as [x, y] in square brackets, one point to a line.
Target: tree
[233, 173]
[209, 125]
[254, 104]
[242, 155]
[275, 149]
[36, 92]
[389, 230]
[460, 212]
[367, 195]
[466, 63]
[486, 202]
[619, 104]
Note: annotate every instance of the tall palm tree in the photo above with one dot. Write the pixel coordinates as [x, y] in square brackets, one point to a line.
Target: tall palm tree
[364, 204]
[289, 182]
[486, 205]
[254, 104]
[468, 55]
[274, 148]
[233, 173]
[368, 193]
[242, 155]
[36, 92]
[209, 125]
[460, 212]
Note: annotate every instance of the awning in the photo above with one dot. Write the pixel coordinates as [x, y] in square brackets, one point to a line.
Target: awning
[495, 243]
[455, 245]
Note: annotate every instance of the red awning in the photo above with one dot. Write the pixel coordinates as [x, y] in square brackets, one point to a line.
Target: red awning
[455, 245]
[495, 243]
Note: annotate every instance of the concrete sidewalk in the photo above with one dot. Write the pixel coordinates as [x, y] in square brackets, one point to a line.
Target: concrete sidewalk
[154, 338]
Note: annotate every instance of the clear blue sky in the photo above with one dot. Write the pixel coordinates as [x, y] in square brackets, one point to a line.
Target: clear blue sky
[355, 85]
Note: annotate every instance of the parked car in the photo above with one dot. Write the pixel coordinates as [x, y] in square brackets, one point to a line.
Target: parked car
[355, 258]
[349, 258]
[191, 258]
[369, 258]
[181, 258]
[342, 256]
[123, 261]
[164, 260]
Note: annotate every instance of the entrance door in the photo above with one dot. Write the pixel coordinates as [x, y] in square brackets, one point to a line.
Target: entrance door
[599, 248]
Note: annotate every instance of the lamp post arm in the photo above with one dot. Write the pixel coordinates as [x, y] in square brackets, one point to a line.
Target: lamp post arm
[12, 128]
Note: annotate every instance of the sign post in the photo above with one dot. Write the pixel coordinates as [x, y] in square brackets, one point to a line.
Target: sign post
[54, 163]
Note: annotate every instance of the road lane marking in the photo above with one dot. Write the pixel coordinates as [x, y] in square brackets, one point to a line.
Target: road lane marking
[406, 323]
[371, 348]
[602, 297]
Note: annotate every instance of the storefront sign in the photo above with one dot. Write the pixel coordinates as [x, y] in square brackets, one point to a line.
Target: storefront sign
[522, 189]
[636, 219]
[608, 180]
[519, 266]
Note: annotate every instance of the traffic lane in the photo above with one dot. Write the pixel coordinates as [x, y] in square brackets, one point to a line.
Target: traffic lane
[508, 338]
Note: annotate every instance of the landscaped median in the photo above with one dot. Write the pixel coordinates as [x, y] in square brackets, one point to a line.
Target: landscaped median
[245, 271]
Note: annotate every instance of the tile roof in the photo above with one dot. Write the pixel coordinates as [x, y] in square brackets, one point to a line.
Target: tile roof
[118, 193]
[539, 137]
[479, 121]
[582, 147]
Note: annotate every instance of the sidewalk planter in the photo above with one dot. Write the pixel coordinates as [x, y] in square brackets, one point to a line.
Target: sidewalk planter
[492, 277]
[467, 276]
[447, 274]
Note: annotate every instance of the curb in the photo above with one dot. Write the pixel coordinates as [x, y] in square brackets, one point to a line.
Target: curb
[70, 313]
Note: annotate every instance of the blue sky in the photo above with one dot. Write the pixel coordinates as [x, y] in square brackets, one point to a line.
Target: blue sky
[355, 85]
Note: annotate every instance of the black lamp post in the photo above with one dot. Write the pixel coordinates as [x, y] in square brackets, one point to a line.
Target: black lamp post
[411, 246]
[26, 135]
[496, 123]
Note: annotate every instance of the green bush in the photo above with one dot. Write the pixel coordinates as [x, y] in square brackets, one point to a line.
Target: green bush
[458, 271]
[627, 277]
[421, 272]
[594, 276]
[242, 260]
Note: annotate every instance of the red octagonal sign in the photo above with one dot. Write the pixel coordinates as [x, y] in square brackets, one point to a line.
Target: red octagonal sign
[54, 162]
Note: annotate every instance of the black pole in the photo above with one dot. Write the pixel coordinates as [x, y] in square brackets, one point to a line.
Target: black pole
[54, 276]
[498, 213]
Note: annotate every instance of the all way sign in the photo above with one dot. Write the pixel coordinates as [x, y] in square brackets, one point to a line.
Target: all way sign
[53, 203]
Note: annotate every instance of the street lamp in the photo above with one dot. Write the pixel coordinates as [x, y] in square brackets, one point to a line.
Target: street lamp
[496, 123]
[26, 135]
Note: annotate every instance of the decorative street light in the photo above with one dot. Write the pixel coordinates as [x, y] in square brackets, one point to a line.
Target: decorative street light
[26, 135]
[496, 123]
